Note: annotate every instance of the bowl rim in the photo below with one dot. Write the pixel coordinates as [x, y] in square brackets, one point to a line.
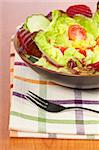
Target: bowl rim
[28, 62]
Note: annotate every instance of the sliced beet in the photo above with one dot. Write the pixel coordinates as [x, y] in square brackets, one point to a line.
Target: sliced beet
[94, 66]
[71, 64]
[79, 9]
[26, 42]
[49, 16]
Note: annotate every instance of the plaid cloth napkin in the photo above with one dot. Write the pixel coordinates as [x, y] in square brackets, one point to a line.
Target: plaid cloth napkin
[27, 120]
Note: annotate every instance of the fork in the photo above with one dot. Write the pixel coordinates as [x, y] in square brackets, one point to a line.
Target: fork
[51, 107]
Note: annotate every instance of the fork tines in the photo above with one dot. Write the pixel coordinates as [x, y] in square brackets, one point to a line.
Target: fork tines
[40, 102]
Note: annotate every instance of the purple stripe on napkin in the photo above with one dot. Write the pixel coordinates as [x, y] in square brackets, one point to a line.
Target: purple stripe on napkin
[20, 64]
[19, 95]
[89, 102]
[79, 113]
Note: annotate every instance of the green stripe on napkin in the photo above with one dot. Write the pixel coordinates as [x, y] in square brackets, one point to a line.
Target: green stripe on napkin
[55, 121]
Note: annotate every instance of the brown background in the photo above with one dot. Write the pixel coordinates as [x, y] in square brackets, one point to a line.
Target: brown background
[12, 13]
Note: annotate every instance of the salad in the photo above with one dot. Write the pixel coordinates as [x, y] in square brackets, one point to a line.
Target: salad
[68, 44]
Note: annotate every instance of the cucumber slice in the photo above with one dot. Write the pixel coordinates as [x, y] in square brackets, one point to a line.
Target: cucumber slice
[33, 59]
[37, 22]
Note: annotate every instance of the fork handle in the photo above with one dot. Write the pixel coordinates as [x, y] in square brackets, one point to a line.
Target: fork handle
[78, 107]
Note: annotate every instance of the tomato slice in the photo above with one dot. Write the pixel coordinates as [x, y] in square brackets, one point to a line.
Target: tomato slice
[82, 52]
[62, 49]
[76, 32]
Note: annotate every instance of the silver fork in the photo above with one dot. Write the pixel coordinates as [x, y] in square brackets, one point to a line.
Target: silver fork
[51, 107]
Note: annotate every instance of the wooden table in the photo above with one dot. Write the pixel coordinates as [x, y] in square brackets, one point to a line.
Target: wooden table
[7, 143]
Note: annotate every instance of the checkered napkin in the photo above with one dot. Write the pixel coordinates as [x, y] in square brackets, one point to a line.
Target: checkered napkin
[27, 120]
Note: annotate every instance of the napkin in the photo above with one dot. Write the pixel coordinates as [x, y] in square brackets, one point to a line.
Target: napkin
[27, 120]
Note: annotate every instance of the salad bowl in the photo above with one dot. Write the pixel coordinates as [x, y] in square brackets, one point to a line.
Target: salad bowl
[31, 54]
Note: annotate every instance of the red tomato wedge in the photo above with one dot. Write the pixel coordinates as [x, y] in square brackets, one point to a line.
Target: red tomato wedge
[79, 9]
[76, 32]
[82, 52]
[62, 49]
